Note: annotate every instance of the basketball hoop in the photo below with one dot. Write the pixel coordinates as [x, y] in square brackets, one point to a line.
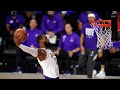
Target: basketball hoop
[104, 34]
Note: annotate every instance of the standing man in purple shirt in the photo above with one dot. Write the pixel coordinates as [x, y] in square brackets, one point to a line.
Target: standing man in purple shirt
[13, 22]
[32, 33]
[88, 44]
[52, 24]
[83, 18]
[69, 47]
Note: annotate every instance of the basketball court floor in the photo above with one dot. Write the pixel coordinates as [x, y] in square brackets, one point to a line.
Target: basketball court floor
[39, 76]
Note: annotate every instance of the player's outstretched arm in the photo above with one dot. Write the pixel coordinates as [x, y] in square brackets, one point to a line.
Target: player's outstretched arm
[29, 50]
[26, 49]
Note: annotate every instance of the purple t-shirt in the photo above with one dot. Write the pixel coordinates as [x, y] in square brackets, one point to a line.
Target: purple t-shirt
[90, 37]
[14, 23]
[68, 13]
[116, 44]
[54, 23]
[31, 39]
[83, 17]
[69, 42]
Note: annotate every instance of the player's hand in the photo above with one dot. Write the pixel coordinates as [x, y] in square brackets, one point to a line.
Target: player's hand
[82, 49]
[113, 50]
[57, 52]
[51, 34]
[16, 40]
[70, 53]
[100, 55]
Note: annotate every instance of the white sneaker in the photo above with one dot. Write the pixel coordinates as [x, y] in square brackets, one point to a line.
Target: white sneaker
[94, 73]
[101, 75]
[19, 72]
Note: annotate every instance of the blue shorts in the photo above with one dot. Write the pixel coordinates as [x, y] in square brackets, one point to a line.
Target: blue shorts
[50, 78]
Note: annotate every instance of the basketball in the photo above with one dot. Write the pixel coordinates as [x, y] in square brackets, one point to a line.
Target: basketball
[21, 34]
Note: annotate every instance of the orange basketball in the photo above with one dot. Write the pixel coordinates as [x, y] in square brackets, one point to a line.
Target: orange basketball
[21, 34]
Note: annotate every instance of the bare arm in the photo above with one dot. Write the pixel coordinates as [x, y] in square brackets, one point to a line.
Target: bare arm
[57, 52]
[82, 40]
[58, 49]
[76, 50]
[82, 44]
[8, 27]
[79, 25]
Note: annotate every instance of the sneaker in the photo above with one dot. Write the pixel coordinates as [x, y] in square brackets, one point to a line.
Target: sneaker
[19, 70]
[101, 75]
[67, 73]
[94, 73]
[38, 70]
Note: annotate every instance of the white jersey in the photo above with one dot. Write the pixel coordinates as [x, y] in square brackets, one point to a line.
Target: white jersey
[49, 65]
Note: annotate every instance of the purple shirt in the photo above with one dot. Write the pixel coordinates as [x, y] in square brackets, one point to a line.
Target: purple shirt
[83, 17]
[69, 42]
[54, 24]
[70, 12]
[90, 37]
[116, 44]
[14, 23]
[31, 39]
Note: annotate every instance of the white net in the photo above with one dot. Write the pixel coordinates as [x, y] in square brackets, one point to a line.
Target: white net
[104, 36]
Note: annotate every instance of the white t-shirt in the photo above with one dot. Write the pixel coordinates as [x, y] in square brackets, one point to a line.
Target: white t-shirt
[49, 65]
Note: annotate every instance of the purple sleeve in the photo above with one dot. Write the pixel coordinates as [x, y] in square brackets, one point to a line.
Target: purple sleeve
[43, 25]
[70, 12]
[22, 20]
[77, 41]
[116, 45]
[7, 20]
[83, 30]
[60, 42]
[60, 25]
[80, 18]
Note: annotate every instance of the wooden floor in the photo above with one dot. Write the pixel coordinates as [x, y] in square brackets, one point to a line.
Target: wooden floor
[39, 76]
